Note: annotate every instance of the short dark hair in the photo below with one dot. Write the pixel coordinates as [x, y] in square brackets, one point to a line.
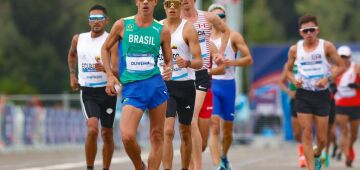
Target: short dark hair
[307, 18]
[98, 7]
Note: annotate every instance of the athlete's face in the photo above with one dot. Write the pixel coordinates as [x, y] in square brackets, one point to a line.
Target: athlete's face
[309, 31]
[97, 20]
[220, 13]
[172, 8]
[187, 4]
[146, 7]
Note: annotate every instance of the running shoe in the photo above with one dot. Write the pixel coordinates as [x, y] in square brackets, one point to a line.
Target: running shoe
[300, 150]
[302, 161]
[352, 154]
[220, 167]
[317, 163]
[144, 166]
[225, 163]
[334, 151]
[348, 162]
[326, 160]
[338, 157]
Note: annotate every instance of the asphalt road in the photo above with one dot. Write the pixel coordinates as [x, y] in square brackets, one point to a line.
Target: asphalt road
[262, 154]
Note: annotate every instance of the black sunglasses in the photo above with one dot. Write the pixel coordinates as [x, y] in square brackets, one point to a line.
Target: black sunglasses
[306, 30]
[344, 56]
[222, 15]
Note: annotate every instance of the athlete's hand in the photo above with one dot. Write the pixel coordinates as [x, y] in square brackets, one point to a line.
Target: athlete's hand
[227, 62]
[167, 73]
[322, 82]
[297, 83]
[181, 62]
[291, 94]
[112, 86]
[218, 58]
[74, 84]
[99, 67]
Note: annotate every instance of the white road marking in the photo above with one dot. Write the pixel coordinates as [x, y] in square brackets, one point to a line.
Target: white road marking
[115, 160]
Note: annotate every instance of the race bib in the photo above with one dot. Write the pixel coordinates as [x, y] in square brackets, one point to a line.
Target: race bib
[346, 92]
[140, 62]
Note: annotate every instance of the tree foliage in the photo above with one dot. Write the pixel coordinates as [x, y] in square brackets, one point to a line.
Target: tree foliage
[35, 34]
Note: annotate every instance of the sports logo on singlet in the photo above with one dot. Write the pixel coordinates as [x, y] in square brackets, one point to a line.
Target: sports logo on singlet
[130, 27]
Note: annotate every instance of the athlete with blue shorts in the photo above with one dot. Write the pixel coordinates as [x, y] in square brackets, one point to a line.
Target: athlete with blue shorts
[224, 91]
[143, 86]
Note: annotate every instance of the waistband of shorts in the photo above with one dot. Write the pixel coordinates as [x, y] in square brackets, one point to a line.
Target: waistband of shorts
[202, 71]
[325, 91]
[185, 83]
[93, 90]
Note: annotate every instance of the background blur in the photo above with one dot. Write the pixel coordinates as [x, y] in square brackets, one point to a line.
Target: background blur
[37, 107]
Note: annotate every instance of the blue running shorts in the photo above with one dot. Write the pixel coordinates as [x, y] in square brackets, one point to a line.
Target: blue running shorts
[145, 94]
[224, 98]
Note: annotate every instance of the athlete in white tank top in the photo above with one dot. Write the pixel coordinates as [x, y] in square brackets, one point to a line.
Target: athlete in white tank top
[89, 51]
[312, 66]
[311, 55]
[229, 54]
[179, 49]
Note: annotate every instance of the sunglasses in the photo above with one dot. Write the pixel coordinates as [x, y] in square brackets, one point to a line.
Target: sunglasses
[344, 56]
[222, 15]
[96, 17]
[306, 30]
[169, 4]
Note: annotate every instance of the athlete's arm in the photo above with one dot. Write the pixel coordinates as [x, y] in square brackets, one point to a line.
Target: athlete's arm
[290, 65]
[72, 60]
[219, 25]
[167, 53]
[114, 59]
[220, 69]
[333, 56]
[238, 44]
[191, 38]
[113, 37]
[282, 82]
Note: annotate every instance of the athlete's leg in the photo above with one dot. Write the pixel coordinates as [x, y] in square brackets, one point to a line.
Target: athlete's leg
[129, 122]
[195, 132]
[91, 140]
[107, 118]
[157, 121]
[322, 123]
[354, 128]
[204, 125]
[214, 143]
[296, 129]
[227, 138]
[342, 120]
[108, 146]
[305, 121]
[168, 143]
[186, 147]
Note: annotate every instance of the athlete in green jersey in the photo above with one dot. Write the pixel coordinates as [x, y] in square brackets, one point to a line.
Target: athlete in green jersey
[143, 86]
[290, 90]
[139, 55]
